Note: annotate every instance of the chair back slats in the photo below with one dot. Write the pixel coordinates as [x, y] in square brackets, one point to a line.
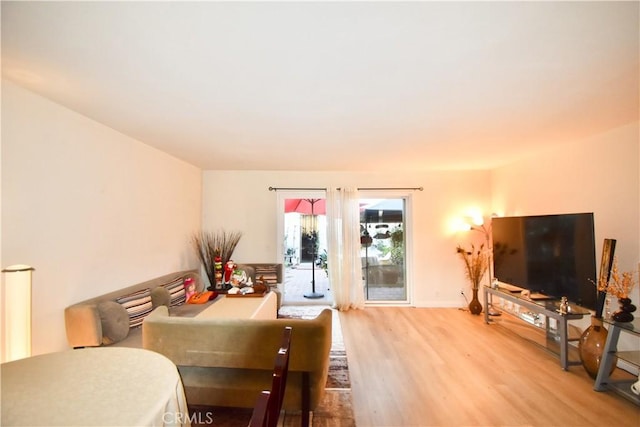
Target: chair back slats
[272, 400]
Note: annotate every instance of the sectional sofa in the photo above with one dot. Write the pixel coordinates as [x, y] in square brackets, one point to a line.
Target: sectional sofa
[222, 361]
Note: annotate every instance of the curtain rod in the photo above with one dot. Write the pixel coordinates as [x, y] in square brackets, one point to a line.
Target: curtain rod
[296, 188]
[359, 189]
[391, 188]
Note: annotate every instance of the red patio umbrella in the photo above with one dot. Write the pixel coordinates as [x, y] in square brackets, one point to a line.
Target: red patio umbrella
[308, 207]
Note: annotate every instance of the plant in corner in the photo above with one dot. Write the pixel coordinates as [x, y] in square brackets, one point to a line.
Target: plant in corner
[476, 263]
[620, 286]
[209, 245]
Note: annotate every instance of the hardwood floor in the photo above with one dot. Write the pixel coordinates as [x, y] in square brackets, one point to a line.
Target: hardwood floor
[446, 367]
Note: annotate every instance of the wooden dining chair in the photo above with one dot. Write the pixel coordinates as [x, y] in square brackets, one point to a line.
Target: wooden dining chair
[260, 415]
[266, 412]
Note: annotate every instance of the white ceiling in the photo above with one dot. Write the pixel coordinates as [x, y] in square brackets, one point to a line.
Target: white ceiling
[334, 85]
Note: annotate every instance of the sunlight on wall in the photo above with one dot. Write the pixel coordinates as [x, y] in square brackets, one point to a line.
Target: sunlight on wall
[466, 219]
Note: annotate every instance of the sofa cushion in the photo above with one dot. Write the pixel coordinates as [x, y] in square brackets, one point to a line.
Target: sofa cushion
[115, 322]
[138, 305]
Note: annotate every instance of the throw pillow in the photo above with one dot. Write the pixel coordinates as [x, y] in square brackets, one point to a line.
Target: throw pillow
[160, 296]
[268, 273]
[138, 306]
[177, 292]
[115, 322]
[202, 297]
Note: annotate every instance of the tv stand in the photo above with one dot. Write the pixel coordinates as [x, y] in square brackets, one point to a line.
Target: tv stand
[603, 380]
[541, 318]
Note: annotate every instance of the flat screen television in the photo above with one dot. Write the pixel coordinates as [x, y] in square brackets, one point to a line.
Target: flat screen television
[552, 255]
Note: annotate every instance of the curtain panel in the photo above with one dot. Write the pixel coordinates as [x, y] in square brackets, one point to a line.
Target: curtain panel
[343, 244]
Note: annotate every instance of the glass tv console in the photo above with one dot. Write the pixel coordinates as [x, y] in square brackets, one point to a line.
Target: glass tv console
[539, 317]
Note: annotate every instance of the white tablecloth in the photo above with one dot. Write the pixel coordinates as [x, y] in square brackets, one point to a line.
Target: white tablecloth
[93, 387]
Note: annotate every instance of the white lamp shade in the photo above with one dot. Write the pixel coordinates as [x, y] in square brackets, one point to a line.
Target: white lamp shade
[17, 312]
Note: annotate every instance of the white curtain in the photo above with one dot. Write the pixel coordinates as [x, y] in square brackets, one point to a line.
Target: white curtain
[343, 248]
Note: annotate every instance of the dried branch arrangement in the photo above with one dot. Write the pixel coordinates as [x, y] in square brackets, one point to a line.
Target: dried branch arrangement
[476, 263]
[211, 244]
[620, 284]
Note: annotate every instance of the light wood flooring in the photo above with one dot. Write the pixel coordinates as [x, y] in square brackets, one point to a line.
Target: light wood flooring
[446, 367]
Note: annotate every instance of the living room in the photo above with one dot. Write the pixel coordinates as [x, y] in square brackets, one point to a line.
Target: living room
[84, 215]
[93, 209]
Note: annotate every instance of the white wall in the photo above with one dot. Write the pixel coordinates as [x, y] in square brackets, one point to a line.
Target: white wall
[598, 175]
[240, 200]
[91, 209]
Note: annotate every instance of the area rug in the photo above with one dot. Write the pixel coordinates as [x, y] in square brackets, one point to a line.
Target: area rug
[336, 408]
[338, 367]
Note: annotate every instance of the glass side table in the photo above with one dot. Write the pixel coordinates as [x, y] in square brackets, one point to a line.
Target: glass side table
[603, 379]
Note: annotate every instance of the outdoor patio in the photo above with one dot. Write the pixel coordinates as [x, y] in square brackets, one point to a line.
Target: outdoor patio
[297, 283]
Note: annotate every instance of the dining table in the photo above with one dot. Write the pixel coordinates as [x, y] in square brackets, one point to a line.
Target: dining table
[102, 386]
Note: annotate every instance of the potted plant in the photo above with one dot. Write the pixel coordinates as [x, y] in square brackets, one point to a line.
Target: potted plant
[322, 262]
[397, 246]
[620, 286]
[214, 248]
[476, 263]
[290, 256]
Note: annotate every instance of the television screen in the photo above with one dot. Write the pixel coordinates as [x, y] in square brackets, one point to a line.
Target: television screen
[550, 254]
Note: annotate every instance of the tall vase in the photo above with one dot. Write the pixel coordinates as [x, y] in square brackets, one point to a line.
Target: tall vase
[591, 346]
[474, 306]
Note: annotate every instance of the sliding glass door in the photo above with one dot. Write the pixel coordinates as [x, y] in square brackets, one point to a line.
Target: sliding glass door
[304, 248]
[383, 249]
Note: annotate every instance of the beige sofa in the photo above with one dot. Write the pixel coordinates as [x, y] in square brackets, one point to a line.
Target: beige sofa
[223, 362]
[227, 362]
[98, 321]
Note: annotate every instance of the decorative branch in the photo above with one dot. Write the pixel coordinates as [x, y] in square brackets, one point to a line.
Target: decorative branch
[208, 245]
[620, 284]
[476, 263]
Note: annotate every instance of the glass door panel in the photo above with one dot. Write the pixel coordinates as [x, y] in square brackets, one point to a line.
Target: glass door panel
[305, 248]
[383, 249]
